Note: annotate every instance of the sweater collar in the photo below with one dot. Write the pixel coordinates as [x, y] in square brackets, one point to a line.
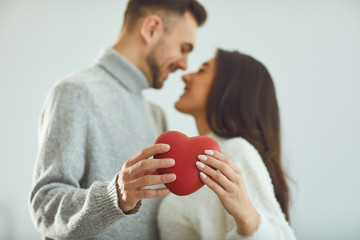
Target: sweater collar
[122, 70]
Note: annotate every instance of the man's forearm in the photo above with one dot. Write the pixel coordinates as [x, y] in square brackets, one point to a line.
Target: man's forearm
[67, 212]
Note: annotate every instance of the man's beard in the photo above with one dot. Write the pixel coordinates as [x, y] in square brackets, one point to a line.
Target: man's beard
[154, 69]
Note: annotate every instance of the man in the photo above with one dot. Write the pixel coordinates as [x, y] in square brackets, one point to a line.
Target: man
[87, 181]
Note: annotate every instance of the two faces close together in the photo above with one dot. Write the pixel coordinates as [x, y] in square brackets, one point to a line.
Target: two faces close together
[169, 37]
[231, 95]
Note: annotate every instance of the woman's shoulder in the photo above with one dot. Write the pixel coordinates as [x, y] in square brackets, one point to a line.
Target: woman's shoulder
[236, 147]
[244, 155]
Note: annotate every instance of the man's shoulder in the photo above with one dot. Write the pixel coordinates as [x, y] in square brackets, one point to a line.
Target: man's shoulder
[82, 81]
[71, 88]
[81, 78]
[69, 85]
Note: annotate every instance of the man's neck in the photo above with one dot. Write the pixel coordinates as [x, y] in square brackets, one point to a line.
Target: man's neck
[126, 49]
[131, 50]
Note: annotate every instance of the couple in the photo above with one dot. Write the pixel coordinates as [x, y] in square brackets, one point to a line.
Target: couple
[88, 184]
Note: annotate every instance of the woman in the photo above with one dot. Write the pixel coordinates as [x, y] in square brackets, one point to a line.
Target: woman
[232, 99]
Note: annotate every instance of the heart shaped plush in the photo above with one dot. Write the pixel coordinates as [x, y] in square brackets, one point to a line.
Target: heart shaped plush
[184, 150]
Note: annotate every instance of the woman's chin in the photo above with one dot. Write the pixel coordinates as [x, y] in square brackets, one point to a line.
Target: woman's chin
[180, 107]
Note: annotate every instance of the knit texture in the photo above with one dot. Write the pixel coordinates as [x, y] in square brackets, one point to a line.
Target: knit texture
[202, 216]
[92, 122]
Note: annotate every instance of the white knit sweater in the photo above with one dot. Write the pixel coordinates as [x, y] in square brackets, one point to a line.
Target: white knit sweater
[202, 216]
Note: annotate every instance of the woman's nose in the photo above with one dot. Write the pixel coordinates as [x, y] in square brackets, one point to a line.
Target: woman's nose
[186, 78]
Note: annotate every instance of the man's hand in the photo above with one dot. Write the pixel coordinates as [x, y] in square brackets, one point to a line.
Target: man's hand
[139, 172]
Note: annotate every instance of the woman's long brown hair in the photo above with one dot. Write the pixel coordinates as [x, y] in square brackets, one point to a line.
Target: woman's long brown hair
[242, 103]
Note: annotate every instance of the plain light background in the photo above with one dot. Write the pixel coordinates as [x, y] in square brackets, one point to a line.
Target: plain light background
[311, 48]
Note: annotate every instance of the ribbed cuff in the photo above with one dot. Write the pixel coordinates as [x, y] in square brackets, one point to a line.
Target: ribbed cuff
[102, 204]
[135, 210]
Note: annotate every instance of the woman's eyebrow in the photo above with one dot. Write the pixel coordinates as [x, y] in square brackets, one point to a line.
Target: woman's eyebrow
[205, 64]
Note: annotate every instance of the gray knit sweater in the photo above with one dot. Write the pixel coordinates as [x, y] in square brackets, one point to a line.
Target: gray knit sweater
[91, 123]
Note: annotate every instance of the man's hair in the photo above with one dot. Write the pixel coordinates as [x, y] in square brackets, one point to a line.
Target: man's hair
[137, 9]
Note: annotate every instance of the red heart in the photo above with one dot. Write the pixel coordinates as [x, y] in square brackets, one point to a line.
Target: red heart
[184, 150]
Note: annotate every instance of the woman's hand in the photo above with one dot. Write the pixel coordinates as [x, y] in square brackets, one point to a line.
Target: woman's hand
[229, 185]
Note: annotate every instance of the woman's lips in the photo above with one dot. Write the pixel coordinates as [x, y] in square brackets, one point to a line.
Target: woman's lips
[186, 90]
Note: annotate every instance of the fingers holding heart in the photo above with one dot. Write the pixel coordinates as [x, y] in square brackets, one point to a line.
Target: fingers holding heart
[211, 171]
[221, 170]
[223, 158]
[210, 182]
[223, 177]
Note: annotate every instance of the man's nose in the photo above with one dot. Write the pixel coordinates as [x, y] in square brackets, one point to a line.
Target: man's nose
[183, 63]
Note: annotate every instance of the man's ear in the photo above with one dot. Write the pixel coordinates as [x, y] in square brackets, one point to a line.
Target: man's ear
[151, 28]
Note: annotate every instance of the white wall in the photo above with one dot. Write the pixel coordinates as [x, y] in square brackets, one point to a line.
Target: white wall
[311, 48]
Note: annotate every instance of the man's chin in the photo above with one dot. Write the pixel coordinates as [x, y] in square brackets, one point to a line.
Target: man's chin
[157, 85]
[159, 82]
[163, 79]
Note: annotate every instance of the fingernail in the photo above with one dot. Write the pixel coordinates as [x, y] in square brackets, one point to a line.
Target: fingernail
[170, 162]
[209, 152]
[202, 157]
[202, 175]
[171, 177]
[200, 164]
[165, 147]
[165, 191]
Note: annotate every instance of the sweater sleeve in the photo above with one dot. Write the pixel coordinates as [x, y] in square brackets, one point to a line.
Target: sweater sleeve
[59, 207]
[264, 231]
[273, 224]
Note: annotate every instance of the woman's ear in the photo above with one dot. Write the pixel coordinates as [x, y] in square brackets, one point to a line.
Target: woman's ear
[151, 28]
